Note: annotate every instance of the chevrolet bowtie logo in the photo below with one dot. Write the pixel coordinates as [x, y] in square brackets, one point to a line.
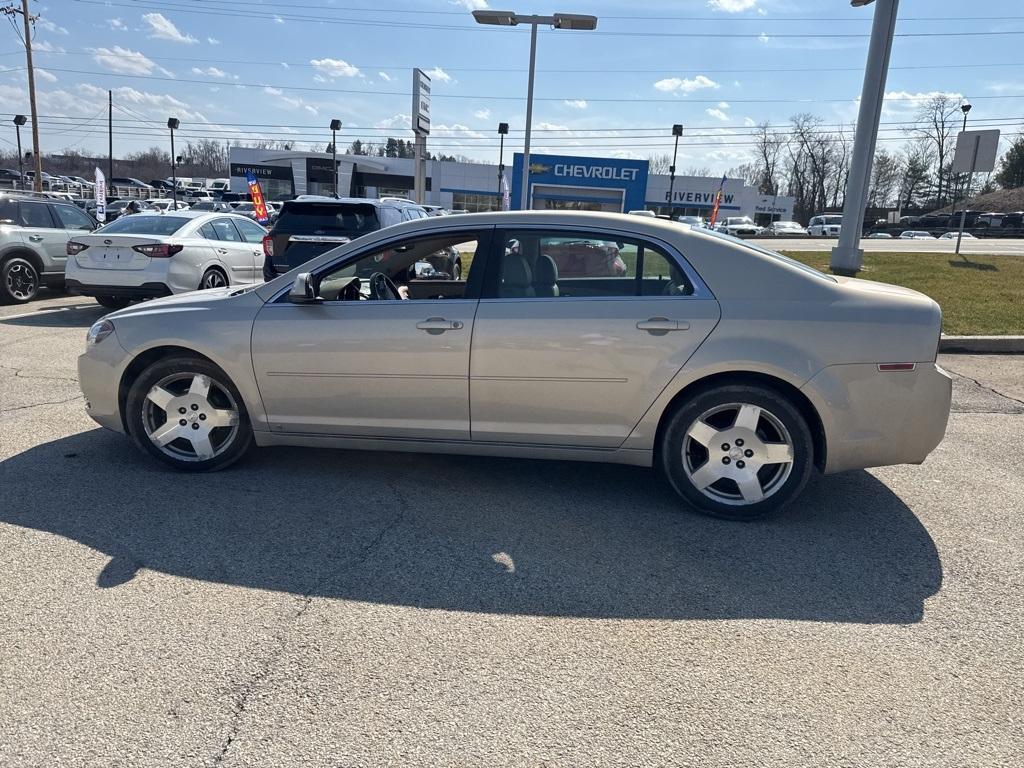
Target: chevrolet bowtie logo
[539, 168]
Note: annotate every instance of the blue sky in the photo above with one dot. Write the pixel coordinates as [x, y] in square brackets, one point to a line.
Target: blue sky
[268, 69]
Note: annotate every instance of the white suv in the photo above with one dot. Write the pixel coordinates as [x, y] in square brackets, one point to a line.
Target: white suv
[825, 225]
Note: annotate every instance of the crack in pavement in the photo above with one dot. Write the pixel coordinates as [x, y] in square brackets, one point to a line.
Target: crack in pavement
[986, 388]
[37, 405]
[246, 691]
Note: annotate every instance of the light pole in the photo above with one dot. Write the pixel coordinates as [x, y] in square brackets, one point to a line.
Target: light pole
[847, 257]
[965, 108]
[502, 132]
[335, 127]
[558, 21]
[172, 123]
[677, 131]
[19, 120]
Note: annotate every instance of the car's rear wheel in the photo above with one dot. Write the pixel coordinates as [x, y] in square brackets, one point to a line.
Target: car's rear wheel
[19, 280]
[113, 302]
[213, 278]
[187, 413]
[457, 271]
[738, 451]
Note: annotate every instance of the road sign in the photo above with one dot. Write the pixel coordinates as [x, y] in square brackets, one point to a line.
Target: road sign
[985, 143]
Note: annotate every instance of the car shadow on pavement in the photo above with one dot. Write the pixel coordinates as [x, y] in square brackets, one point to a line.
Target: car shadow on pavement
[76, 316]
[477, 534]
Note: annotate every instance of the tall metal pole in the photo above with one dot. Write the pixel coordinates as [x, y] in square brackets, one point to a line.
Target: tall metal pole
[37, 182]
[501, 166]
[524, 197]
[847, 257]
[963, 211]
[110, 138]
[334, 159]
[677, 131]
[21, 159]
[174, 176]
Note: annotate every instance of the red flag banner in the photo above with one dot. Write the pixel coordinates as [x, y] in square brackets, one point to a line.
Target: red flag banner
[258, 203]
[718, 201]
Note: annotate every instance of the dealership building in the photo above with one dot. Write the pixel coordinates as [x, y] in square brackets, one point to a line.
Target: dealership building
[556, 182]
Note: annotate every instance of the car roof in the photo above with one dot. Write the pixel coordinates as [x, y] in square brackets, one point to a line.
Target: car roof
[350, 200]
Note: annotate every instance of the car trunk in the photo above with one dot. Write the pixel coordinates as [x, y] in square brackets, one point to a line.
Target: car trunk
[114, 251]
[304, 230]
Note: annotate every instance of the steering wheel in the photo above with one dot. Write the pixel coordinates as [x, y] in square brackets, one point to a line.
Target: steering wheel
[382, 288]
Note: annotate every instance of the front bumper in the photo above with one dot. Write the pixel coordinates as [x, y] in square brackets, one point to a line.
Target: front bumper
[145, 291]
[874, 419]
[99, 376]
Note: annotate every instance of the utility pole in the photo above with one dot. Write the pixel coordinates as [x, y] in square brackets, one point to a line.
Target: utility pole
[110, 137]
[28, 19]
[677, 131]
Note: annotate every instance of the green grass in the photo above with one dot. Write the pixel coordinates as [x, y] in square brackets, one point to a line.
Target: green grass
[981, 295]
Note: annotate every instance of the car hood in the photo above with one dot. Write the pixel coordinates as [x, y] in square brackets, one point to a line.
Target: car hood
[205, 299]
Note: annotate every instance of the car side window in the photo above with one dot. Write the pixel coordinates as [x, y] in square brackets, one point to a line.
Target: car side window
[251, 231]
[208, 231]
[420, 268]
[36, 215]
[226, 231]
[389, 217]
[72, 218]
[543, 264]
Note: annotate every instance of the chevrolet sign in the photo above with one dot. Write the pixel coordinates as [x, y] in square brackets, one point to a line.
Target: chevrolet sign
[595, 172]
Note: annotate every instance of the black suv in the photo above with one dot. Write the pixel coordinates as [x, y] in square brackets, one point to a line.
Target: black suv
[311, 224]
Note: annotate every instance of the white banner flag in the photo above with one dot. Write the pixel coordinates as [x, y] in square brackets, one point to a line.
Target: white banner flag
[101, 196]
[506, 203]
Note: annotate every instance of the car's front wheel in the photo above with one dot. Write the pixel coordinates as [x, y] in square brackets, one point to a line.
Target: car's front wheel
[738, 451]
[113, 302]
[19, 280]
[186, 412]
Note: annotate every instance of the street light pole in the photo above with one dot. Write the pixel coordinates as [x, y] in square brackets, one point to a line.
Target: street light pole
[19, 120]
[677, 131]
[847, 257]
[965, 108]
[502, 131]
[335, 127]
[558, 21]
[172, 123]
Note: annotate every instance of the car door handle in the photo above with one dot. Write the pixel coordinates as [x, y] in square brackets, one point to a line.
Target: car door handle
[657, 325]
[222, 251]
[36, 238]
[439, 325]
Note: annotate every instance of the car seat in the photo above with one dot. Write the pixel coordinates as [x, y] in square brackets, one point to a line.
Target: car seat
[545, 276]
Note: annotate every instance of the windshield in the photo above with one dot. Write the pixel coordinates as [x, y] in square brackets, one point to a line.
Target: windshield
[351, 220]
[831, 219]
[777, 256]
[144, 225]
[738, 220]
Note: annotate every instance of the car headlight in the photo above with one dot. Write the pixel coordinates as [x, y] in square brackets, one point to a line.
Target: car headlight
[98, 332]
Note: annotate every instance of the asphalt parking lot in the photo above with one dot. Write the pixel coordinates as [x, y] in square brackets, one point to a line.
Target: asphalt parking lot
[334, 608]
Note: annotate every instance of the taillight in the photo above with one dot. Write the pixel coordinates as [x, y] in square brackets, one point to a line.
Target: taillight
[74, 248]
[158, 250]
[268, 246]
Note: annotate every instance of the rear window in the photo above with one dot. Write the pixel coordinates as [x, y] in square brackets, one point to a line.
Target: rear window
[351, 220]
[144, 225]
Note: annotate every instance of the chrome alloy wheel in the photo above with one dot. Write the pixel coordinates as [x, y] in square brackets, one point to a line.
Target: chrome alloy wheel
[190, 417]
[22, 280]
[738, 454]
[213, 279]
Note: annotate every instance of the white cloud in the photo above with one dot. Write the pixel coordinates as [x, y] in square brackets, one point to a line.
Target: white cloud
[334, 67]
[456, 130]
[272, 91]
[46, 46]
[749, 122]
[717, 114]
[731, 6]
[671, 84]
[482, 114]
[118, 25]
[438, 74]
[214, 72]
[278, 20]
[764, 38]
[49, 26]
[126, 61]
[384, 76]
[213, 41]
[400, 120]
[471, 5]
[576, 103]
[47, 76]
[162, 28]
[723, 105]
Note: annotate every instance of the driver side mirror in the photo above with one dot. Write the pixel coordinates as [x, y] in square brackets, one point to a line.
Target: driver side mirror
[303, 290]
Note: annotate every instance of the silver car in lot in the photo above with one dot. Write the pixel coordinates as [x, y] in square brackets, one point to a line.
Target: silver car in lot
[731, 369]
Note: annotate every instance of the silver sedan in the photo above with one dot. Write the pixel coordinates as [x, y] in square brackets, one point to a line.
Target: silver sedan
[733, 370]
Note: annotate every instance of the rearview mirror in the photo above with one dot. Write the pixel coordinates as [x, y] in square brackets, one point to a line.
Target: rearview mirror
[303, 291]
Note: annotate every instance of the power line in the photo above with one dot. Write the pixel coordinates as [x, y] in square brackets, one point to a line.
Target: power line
[478, 97]
[254, 14]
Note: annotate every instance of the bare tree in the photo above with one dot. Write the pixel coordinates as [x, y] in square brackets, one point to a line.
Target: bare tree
[659, 163]
[935, 123]
[886, 173]
[769, 151]
[694, 170]
[916, 172]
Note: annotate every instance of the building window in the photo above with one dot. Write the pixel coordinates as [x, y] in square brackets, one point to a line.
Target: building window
[475, 203]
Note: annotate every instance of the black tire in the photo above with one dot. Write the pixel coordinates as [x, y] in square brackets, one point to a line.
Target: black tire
[113, 302]
[19, 280]
[779, 421]
[214, 277]
[457, 270]
[186, 366]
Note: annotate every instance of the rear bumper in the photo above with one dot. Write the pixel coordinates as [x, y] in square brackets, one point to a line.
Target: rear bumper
[144, 291]
[874, 419]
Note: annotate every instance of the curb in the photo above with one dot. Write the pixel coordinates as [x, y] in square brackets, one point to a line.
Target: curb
[982, 344]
